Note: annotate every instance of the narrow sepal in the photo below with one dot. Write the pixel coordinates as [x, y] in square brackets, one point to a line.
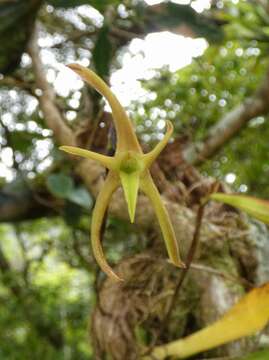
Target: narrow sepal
[107, 161]
[153, 154]
[130, 184]
[126, 138]
[110, 185]
[149, 188]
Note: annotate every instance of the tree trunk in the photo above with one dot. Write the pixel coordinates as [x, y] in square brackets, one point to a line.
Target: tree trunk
[231, 257]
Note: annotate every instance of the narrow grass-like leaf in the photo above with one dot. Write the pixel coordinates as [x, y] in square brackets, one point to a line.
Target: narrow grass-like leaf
[249, 315]
[259, 355]
[255, 207]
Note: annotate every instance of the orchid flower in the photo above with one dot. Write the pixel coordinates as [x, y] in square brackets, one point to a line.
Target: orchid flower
[129, 167]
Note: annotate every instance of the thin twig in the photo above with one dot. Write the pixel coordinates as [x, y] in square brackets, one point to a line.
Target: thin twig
[190, 257]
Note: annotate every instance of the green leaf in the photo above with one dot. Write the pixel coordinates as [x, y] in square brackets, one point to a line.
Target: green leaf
[255, 207]
[97, 4]
[259, 355]
[22, 141]
[102, 52]
[16, 20]
[72, 213]
[60, 185]
[80, 196]
[69, 3]
[174, 15]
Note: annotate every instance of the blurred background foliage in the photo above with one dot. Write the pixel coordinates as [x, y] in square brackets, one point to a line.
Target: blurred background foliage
[48, 277]
[197, 96]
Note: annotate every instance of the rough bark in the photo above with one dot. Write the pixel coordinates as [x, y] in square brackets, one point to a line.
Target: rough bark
[142, 302]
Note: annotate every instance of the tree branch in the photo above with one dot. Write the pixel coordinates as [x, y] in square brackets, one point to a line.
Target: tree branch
[17, 82]
[21, 205]
[54, 119]
[229, 126]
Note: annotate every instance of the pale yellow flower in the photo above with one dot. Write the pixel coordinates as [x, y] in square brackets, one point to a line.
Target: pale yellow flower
[129, 167]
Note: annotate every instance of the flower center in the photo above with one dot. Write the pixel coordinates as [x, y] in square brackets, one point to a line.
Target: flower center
[130, 163]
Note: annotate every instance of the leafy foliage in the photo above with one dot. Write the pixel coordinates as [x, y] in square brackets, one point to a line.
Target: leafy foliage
[261, 355]
[102, 52]
[63, 186]
[199, 95]
[99, 5]
[60, 185]
[176, 15]
[16, 20]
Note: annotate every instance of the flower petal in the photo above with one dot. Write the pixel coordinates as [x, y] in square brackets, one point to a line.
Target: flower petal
[130, 184]
[110, 185]
[149, 188]
[126, 138]
[153, 154]
[107, 161]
